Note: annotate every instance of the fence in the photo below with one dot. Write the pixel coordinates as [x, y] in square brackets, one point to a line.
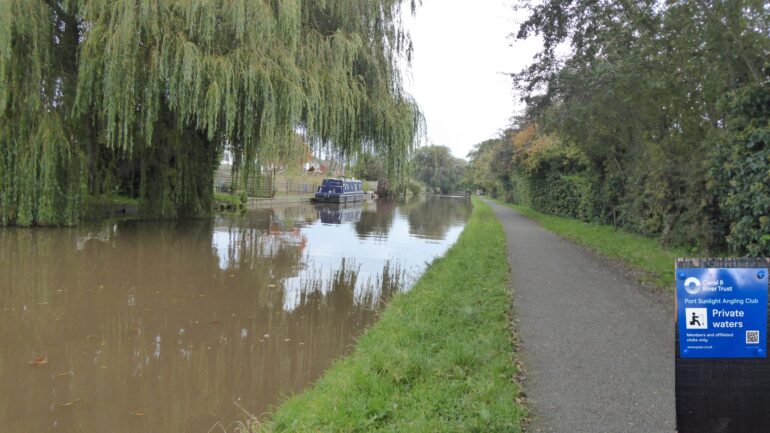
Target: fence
[296, 186]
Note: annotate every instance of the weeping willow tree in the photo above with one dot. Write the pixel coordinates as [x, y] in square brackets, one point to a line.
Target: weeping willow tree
[140, 96]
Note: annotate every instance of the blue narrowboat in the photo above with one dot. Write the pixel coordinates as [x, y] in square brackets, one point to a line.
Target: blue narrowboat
[340, 191]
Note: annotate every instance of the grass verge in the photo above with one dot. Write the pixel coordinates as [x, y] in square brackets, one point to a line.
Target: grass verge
[229, 202]
[635, 250]
[440, 359]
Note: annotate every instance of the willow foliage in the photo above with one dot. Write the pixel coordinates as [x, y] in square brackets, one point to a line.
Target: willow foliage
[140, 96]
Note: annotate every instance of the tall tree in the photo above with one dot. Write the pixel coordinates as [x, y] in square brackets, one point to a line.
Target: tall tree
[141, 95]
[643, 91]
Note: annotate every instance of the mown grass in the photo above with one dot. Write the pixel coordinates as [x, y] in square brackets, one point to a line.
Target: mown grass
[440, 358]
[637, 251]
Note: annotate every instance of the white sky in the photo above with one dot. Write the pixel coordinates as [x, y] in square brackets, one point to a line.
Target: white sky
[461, 52]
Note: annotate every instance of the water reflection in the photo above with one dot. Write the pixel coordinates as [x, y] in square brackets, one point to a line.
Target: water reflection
[432, 219]
[338, 214]
[163, 326]
[377, 224]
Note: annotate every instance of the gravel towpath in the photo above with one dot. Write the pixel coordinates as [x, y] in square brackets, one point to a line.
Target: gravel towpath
[597, 346]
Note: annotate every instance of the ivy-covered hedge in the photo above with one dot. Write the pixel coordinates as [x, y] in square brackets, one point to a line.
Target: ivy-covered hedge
[739, 176]
[712, 194]
[655, 120]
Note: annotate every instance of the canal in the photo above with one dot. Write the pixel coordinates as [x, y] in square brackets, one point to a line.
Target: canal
[174, 326]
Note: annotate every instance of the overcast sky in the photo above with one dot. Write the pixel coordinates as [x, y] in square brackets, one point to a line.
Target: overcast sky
[462, 52]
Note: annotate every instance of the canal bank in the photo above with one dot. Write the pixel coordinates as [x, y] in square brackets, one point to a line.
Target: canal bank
[439, 359]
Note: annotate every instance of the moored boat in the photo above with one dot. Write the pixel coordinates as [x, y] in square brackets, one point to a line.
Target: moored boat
[340, 191]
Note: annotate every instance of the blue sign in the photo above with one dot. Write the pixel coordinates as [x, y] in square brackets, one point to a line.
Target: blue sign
[722, 313]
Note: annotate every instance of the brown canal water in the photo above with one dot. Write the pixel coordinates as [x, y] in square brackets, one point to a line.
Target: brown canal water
[175, 326]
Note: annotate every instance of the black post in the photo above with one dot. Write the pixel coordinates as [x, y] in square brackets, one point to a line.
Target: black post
[722, 384]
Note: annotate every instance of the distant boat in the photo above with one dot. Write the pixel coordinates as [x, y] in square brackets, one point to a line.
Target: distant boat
[340, 191]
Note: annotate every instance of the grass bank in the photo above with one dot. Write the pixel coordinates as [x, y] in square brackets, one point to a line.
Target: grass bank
[225, 202]
[440, 358]
[635, 250]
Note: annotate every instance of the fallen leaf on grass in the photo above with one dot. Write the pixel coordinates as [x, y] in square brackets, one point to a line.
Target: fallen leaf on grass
[39, 360]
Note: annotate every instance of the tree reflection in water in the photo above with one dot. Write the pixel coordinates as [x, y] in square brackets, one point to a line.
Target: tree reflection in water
[432, 218]
[161, 326]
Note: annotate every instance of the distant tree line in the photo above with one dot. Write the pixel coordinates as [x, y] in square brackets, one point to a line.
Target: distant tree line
[657, 120]
[438, 169]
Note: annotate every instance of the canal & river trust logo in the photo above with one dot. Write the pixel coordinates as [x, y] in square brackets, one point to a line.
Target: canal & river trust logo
[692, 285]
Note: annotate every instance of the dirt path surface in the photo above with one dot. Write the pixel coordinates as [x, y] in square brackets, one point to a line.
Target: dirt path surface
[597, 346]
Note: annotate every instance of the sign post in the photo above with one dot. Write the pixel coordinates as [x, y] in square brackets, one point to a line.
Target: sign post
[722, 367]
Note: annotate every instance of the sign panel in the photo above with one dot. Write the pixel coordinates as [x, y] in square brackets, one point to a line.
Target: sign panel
[722, 312]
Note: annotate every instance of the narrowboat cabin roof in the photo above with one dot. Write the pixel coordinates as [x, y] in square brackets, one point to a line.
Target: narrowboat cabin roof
[337, 190]
[335, 180]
